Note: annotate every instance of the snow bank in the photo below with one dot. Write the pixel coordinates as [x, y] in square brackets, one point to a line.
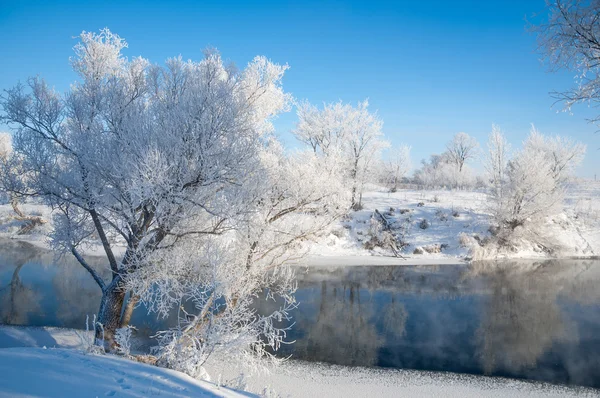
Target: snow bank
[59, 372]
[49, 362]
[64, 373]
[50, 337]
[441, 226]
[454, 219]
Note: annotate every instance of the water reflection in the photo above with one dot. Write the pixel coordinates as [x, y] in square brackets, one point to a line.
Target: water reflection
[344, 331]
[36, 291]
[522, 319]
[535, 320]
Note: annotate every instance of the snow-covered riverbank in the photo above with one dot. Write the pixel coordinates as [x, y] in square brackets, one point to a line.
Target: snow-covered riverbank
[69, 372]
[436, 227]
[65, 373]
[444, 226]
[52, 362]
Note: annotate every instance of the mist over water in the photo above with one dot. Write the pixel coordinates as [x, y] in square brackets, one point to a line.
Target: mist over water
[534, 320]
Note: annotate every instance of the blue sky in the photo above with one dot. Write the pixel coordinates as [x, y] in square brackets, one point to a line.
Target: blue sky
[430, 68]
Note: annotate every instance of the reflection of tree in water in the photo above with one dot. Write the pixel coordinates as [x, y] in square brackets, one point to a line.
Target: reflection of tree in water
[394, 318]
[345, 330]
[522, 320]
[72, 290]
[18, 300]
[71, 284]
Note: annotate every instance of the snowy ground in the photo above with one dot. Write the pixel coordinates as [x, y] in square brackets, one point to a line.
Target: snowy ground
[432, 223]
[305, 379]
[50, 362]
[450, 215]
[60, 372]
[39, 372]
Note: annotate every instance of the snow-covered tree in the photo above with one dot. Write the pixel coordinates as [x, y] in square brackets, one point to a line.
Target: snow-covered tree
[396, 166]
[10, 171]
[351, 134]
[570, 39]
[461, 149]
[5, 145]
[441, 172]
[177, 164]
[496, 160]
[450, 169]
[533, 187]
[295, 198]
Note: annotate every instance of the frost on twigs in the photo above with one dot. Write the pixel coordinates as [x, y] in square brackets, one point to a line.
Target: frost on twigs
[527, 190]
[123, 339]
[350, 137]
[222, 318]
[11, 179]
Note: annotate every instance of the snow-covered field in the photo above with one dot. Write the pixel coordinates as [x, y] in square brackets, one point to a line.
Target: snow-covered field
[39, 372]
[434, 225]
[28, 369]
[52, 362]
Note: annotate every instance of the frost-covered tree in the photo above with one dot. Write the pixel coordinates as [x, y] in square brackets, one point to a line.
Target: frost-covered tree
[570, 39]
[295, 198]
[10, 170]
[461, 149]
[351, 134]
[496, 160]
[441, 172]
[176, 164]
[533, 188]
[396, 166]
[450, 169]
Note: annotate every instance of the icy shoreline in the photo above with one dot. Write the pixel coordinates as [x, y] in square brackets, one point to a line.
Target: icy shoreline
[292, 379]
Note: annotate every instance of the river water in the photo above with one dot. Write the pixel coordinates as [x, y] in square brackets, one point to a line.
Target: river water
[533, 320]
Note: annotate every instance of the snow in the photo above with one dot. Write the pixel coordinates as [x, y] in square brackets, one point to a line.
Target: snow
[450, 216]
[60, 372]
[305, 379]
[52, 362]
[27, 372]
[39, 235]
[50, 337]
[369, 259]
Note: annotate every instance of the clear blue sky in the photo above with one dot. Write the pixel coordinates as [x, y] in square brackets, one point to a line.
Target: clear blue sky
[431, 68]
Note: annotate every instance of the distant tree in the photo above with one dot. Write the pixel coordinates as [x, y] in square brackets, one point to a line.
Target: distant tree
[570, 39]
[396, 167]
[351, 134]
[461, 149]
[10, 170]
[496, 160]
[442, 172]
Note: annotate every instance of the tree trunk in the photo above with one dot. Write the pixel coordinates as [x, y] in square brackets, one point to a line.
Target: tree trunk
[109, 314]
[354, 176]
[131, 303]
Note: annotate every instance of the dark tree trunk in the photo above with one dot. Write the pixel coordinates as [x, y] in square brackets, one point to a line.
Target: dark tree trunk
[109, 314]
